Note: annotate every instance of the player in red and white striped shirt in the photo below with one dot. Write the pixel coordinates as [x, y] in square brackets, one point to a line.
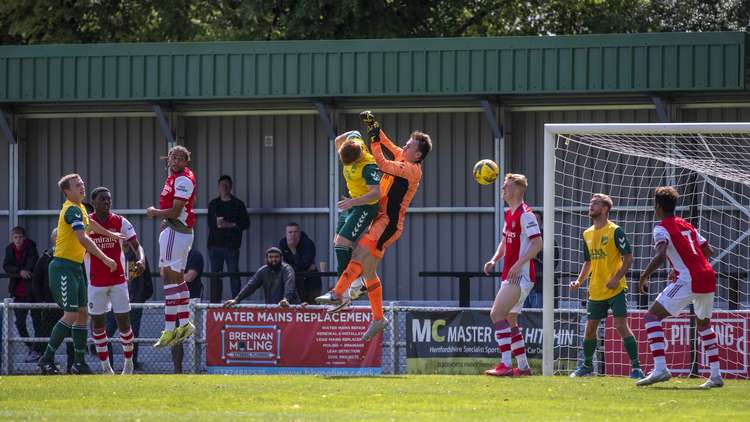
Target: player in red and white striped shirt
[522, 240]
[677, 241]
[175, 240]
[108, 290]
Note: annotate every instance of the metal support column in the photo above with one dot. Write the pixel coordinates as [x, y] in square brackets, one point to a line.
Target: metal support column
[333, 180]
[499, 158]
[12, 170]
[166, 129]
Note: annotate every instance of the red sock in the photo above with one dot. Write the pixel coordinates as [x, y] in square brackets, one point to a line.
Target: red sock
[375, 293]
[352, 271]
[100, 341]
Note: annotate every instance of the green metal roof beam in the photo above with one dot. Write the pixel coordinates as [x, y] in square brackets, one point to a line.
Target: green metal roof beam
[663, 62]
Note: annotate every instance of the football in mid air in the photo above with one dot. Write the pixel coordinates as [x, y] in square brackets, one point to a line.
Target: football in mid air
[485, 171]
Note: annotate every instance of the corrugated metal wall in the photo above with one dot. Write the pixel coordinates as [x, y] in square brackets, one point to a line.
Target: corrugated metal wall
[123, 153]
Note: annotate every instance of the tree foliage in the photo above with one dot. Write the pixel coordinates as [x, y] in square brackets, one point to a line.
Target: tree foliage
[86, 21]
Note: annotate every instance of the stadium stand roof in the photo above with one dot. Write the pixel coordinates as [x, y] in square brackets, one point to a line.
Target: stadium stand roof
[588, 64]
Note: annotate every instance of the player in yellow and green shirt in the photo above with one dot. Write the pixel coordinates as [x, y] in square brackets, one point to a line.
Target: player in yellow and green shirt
[360, 208]
[66, 280]
[607, 256]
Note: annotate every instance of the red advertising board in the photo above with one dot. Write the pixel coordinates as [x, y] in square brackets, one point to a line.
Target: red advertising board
[731, 329]
[277, 340]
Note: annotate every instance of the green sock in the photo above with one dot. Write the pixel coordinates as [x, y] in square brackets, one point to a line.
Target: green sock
[343, 256]
[59, 332]
[632, 348]
[589, 346]
[80, 340]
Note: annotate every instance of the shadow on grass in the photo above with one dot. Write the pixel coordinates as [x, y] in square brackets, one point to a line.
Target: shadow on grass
[676, 388]
[347, 377]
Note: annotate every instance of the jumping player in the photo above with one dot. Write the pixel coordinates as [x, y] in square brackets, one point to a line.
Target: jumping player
[66, 280]
[607, 257]
[363, 182]
[522, 240]
[677, 241]
[399, 184]
[175, 241]
[108, 290]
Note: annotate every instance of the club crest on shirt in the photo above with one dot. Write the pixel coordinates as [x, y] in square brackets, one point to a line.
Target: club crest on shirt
[605, 240]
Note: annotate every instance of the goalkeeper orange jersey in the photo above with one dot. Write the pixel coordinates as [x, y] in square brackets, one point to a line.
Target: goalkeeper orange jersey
[397, 189]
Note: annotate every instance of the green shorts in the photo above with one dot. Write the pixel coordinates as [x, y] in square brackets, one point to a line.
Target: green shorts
[597, 309]
[67, 284]
[355, 221]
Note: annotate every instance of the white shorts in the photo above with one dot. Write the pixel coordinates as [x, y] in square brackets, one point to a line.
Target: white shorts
[174, 248]
[676, 296]
[526, 287]
[109, 298]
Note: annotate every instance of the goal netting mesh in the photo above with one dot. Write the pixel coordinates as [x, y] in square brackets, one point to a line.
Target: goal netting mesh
[712, 174]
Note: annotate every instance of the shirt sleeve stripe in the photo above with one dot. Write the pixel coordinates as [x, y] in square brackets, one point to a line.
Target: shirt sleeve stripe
[77, 225]
[535, 235]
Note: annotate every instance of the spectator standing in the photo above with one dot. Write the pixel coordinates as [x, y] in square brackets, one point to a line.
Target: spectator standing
[20, 257]
[227, 219]
[277, 280]
[42, 294]
[298, 251]
[193, 274]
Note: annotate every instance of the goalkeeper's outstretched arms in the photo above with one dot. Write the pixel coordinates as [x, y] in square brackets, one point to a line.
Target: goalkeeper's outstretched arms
[375, 134]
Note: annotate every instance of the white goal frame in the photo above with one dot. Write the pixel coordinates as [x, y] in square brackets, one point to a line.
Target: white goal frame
[551, 131]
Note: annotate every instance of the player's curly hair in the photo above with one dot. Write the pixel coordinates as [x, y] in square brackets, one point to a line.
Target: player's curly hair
[349, 152]
[424, 143]
[180, 150]
[666, 197]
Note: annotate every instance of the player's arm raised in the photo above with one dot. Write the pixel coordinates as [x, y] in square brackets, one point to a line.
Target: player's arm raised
[341, 139]
[499, 253]
[395, 168]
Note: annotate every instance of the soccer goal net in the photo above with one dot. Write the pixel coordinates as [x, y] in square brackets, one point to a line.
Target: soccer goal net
[709, 165]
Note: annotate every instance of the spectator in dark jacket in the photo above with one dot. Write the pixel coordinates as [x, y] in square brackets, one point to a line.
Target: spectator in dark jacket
[277, 280]
[42, 294]
[227, 219]
[20, 257]
[299, 252]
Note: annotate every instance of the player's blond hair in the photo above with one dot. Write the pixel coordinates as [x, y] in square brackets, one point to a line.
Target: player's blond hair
[64, 182]
[517, 179]
[604, 199]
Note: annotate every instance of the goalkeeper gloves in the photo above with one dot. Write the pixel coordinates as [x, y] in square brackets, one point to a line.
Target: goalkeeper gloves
[373, 126]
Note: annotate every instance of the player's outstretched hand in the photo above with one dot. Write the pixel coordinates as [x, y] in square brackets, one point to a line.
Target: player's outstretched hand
[230, 303]
[151, 212]
[643, 285]
[368, 118]
[117, 236]
[489, 266]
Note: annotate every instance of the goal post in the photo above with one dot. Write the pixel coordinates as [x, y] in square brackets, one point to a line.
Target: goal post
[708, 163]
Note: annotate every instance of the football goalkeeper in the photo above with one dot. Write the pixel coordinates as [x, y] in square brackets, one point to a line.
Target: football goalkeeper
[399, 184]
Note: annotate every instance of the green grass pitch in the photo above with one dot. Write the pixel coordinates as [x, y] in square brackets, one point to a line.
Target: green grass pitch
[410, 398]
